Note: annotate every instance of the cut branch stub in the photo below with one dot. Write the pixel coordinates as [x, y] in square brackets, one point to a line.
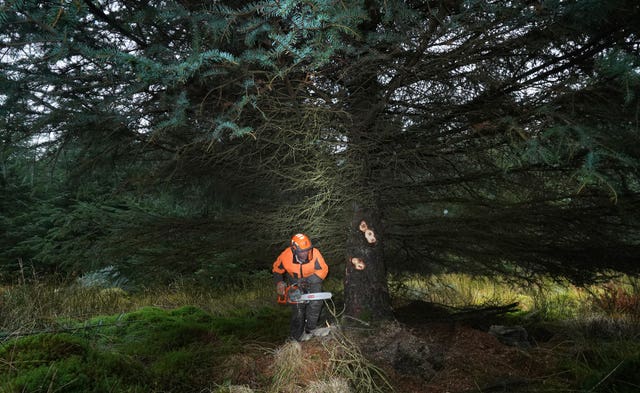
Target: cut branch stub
[370, 236]
[358, 263]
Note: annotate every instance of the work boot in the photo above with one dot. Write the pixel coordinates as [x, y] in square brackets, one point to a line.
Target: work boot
[305, 336]
[321, 332]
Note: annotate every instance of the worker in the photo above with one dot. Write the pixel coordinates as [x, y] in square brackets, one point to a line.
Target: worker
[303, 265]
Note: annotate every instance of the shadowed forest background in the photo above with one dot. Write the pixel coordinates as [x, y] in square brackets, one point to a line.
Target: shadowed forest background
[182, 143]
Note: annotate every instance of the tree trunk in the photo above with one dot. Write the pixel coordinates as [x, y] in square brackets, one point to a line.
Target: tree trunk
[365, 283]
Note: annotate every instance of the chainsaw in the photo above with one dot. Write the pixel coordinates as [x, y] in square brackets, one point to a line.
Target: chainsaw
[293, 295]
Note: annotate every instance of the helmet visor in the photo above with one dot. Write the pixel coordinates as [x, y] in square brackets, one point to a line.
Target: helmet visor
[302, 255]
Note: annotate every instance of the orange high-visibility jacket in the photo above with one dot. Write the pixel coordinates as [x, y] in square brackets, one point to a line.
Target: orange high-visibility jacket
[285, 264]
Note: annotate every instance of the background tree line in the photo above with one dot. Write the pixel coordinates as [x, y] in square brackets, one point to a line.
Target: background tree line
[195, 137]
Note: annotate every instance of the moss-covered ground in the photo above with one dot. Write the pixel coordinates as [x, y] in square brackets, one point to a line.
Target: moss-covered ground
[148, 350]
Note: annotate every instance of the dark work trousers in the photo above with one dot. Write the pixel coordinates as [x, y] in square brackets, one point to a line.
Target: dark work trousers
[304, 316]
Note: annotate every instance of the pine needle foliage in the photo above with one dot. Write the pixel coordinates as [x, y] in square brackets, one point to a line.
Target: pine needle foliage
[488, 136]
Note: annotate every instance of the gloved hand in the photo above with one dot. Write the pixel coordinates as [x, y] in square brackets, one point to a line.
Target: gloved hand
[280, 288]
[294, 294]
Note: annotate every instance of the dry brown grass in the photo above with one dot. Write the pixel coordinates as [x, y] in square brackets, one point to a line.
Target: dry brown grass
[333, 364]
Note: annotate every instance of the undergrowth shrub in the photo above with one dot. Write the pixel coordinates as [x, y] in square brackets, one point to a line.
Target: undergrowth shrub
[616, 299]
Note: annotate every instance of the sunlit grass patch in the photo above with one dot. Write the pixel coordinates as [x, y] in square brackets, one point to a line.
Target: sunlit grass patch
[45, 305]
[547, 299]
[455, 290]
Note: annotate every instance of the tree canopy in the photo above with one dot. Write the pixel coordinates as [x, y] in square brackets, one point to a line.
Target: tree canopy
[196, 137]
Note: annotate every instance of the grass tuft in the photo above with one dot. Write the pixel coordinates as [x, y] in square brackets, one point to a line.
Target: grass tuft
[331, 385]
[288, 368]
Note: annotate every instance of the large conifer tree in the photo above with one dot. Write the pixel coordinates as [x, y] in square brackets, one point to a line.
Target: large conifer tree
[472, 135]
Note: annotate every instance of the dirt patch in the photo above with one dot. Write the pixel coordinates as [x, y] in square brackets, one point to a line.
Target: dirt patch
[393, 346]
[472, 360]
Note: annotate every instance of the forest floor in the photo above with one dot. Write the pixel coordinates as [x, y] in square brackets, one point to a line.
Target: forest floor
[474, 361]
[198, 341]
[471, 358]
[467, 358]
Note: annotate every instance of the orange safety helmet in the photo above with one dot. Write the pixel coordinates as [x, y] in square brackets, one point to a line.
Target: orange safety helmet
[301, 243]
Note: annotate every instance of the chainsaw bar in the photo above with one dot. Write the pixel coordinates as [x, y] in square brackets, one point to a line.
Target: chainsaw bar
[294, 295]
[315, 296]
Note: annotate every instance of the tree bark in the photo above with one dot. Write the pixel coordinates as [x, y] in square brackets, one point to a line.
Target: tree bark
[365, 284]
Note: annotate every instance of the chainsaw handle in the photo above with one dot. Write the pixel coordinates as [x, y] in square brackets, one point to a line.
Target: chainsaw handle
[286, 297]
